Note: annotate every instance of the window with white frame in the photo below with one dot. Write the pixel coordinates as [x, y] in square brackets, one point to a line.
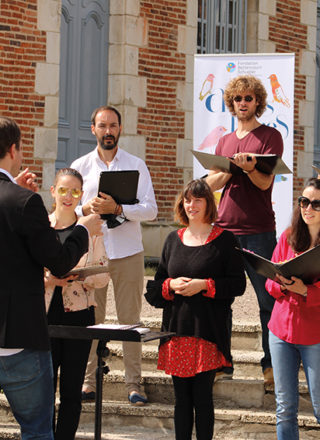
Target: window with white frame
[222, 26]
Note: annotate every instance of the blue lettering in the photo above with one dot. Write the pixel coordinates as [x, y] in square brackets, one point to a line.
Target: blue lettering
[209, 104]
[283, 125]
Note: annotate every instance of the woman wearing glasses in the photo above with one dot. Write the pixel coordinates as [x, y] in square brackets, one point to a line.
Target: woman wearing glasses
[70, 301]
[294, 327]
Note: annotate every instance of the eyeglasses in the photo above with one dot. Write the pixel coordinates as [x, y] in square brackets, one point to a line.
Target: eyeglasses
[304, 202]
[75, 192]
[239, 98]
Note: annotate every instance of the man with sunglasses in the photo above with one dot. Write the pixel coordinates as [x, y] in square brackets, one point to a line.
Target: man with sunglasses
[123, 243]
[245, 207]
[28, 245]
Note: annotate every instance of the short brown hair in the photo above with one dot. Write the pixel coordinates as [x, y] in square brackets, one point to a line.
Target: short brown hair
[9, 134]
[103, 108]
[196, 188]
[242, 84]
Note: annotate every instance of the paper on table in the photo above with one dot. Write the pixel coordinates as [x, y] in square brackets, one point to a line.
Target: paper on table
[135, 327]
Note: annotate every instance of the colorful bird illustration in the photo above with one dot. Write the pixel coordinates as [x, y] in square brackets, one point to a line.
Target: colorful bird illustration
[277, 91]
[213, 138]
[206, 86]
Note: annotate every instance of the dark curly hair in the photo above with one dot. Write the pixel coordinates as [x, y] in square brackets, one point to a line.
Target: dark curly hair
[298, 234]
[242, 84]
[196, 188]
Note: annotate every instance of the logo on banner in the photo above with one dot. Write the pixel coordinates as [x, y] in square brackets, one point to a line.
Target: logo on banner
[231, 67]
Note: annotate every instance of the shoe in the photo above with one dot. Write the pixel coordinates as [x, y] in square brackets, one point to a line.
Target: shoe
[268, 376]
[87, 397]
[222, 375]
[136, 399]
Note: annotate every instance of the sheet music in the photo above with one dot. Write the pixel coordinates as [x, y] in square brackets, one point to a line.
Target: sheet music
[135, 327]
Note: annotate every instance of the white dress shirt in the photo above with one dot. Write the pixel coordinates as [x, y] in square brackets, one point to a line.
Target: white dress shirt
[126, 239]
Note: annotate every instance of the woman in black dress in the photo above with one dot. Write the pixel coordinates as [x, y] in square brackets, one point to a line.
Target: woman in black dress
[199, 274]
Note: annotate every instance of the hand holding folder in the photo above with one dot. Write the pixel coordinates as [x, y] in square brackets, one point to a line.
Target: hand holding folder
[122, 187]
[266, 163]
[305, 266]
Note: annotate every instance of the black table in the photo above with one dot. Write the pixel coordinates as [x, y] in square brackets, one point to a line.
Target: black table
[104, 336]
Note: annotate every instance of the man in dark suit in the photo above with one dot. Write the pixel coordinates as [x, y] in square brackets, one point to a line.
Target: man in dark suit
[29, 244]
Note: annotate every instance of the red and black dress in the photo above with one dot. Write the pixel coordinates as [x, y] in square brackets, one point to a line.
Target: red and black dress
[200, 321]
[201, 345]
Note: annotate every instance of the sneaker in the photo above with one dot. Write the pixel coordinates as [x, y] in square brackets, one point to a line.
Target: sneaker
[268, 376]
[136, 399]
[88, 397]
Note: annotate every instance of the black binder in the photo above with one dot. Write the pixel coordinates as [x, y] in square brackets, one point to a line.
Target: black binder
[305, 266]
[121, 186]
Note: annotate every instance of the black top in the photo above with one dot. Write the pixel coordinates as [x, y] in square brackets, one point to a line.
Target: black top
[198, 315]
[28, 245]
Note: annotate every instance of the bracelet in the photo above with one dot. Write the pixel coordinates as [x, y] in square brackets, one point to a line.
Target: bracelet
[249, 172]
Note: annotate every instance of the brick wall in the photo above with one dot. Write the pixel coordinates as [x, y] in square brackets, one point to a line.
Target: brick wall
[22, 45]
[289, 35]
[160, 121]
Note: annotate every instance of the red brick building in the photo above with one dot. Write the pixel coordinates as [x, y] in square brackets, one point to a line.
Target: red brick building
[149, 76]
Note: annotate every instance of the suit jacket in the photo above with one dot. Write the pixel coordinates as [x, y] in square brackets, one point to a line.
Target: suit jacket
[28, 244]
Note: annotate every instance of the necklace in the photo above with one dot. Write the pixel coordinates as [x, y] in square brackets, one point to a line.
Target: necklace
[199, 239]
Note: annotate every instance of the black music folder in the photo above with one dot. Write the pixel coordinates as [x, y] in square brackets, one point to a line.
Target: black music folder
[266, 163]
[121, 186]
[305, 266]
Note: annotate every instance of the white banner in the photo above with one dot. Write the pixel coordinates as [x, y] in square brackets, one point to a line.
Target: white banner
[212, 119]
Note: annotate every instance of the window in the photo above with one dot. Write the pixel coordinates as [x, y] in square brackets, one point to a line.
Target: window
[222, 26]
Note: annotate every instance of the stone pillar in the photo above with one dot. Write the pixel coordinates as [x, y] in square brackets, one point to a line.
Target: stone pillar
[47, 84]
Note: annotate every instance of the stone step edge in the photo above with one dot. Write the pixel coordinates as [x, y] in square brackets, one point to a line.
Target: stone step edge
[150, 351]
[154, 378]
[237, 326]
[164, 410]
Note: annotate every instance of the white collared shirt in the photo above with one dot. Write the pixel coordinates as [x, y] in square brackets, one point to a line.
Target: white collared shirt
[126, 239]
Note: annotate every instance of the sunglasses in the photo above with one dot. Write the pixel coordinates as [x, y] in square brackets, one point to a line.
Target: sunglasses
[75, 192]
[239, 98]
[304, 202]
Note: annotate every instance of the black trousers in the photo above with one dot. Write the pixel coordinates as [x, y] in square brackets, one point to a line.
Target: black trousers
[194, 395]
[71, 356]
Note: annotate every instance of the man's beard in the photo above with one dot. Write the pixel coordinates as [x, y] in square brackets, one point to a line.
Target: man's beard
[109, 146]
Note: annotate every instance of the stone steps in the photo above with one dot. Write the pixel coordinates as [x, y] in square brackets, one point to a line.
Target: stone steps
[122, 421]
[242, 392]
[244, 408]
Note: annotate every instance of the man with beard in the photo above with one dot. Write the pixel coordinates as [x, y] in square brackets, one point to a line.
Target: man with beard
[245, 207]
[123, 243]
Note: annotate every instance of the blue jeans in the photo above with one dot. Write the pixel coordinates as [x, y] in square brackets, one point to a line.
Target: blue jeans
[286, 359]
[27, 381]
[262, 244]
